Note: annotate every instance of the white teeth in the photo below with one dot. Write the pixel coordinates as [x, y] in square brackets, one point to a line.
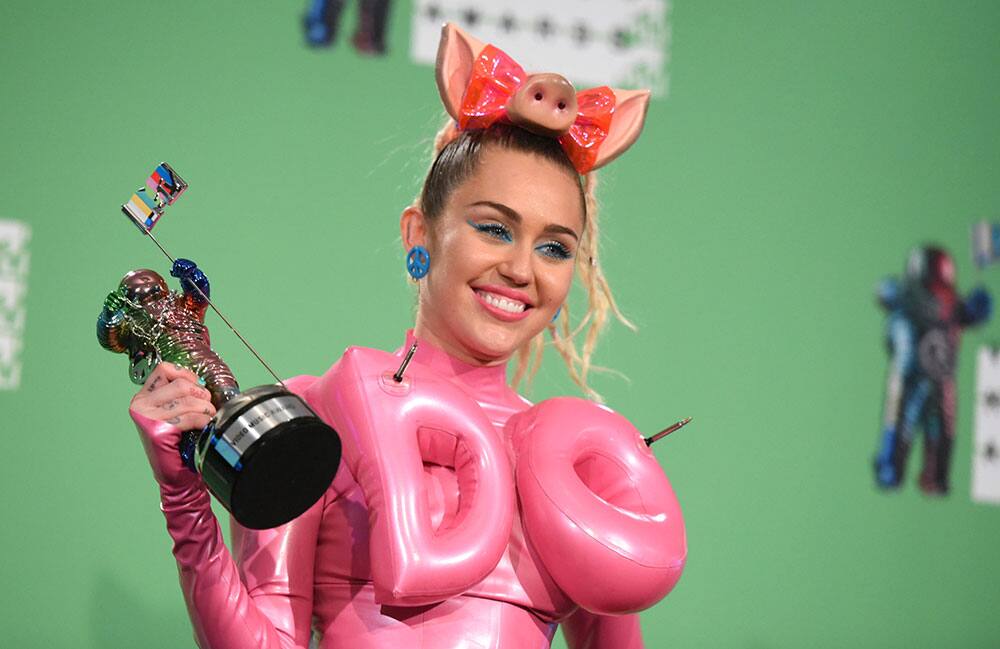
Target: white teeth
[510, 306]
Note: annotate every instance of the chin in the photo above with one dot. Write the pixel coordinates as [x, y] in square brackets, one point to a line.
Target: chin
[494, 341]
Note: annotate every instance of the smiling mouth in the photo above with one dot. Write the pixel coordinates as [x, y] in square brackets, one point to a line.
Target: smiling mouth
[505, 304]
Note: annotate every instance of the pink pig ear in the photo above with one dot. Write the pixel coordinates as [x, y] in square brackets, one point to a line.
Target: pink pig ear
[626, 124]
[456, 53]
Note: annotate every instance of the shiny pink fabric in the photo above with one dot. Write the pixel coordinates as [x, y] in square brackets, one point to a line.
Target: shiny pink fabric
[494, 79]
[596, 503]
[315, 573]
[423, 549]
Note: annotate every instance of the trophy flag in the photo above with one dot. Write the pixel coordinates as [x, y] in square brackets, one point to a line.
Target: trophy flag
[165, 187]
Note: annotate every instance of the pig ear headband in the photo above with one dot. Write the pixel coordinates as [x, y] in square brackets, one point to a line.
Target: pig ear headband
[481, 85]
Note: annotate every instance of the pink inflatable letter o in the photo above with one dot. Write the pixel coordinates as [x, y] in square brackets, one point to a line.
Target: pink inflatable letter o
[596, 505]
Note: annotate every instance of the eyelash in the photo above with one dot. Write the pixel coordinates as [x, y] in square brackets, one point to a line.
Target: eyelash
[553, 249]
[495, 230]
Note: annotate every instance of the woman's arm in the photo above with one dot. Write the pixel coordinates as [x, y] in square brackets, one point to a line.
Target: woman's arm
[277, 565]
[270, 604]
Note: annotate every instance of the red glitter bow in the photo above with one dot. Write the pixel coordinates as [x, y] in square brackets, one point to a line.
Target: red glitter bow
[496, 77]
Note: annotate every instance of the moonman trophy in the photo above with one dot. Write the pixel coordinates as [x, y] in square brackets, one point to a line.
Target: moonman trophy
[265, 455]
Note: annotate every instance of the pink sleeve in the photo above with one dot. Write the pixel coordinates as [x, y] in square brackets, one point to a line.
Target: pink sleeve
[263, 599]
[276, 610]
[586, 630]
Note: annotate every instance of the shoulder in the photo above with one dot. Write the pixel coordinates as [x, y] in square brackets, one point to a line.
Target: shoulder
[301, 383]
[309, 386]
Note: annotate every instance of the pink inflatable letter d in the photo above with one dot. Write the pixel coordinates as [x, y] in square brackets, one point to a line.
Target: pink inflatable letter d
[389, 430]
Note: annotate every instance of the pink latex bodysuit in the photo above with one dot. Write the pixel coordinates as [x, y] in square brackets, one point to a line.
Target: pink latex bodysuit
[556, 513]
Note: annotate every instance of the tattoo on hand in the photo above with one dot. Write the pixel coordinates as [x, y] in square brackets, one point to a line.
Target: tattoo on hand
[170, 405]
[156, 382]
[174, 420]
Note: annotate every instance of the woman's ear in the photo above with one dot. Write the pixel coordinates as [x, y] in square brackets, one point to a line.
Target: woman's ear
[413, 228]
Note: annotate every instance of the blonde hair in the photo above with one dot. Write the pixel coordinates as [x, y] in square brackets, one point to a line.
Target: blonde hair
[576, 353]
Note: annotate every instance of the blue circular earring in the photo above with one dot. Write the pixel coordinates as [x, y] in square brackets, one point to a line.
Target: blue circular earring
[418, 262]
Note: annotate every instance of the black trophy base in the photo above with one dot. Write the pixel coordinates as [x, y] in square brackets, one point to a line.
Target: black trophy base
[268, 458]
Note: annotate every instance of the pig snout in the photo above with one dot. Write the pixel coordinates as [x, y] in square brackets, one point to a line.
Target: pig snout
[545, 104]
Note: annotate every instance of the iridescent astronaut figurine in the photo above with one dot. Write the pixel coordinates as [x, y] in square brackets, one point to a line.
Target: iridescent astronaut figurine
[151, 323]
[926, 317]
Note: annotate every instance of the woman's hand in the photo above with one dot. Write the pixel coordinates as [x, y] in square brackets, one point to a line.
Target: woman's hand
[170, 402]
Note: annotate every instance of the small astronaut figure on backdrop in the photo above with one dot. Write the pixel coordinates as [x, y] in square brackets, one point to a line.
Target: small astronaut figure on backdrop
[926, 319]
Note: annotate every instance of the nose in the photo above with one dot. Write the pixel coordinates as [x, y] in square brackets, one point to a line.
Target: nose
[516, 267]
[545, 104]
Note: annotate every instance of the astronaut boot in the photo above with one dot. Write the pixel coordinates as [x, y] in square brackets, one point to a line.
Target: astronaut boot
[890, 461]
[934, 476]
[369, 38]
[321, 21]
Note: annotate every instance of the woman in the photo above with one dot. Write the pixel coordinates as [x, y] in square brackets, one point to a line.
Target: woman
[518, 517]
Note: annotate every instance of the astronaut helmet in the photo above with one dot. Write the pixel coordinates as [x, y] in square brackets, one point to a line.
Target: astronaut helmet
[931, 266]
[144, 285]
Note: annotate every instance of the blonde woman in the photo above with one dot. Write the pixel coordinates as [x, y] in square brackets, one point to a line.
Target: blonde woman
[461, 515]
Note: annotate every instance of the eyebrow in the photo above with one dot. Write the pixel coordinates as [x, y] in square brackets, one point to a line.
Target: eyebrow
[516, 218]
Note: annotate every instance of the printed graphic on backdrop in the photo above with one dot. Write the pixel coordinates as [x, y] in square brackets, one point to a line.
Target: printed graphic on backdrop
[14, 260]
[926, 318]
[986, 442]
[620, 43]
[321, 24]
[985, 243]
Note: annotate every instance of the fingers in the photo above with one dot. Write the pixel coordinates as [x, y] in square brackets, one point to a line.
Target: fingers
[179, 405]
[166, 372]
[186, 413]
[172, 394]
[177, 389]
[189, 420]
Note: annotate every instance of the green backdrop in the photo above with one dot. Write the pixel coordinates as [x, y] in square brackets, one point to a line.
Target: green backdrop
[804, 148]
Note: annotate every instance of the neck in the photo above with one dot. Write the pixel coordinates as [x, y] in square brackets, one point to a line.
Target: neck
[486, 384]
[447, 344]
[474, 375]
